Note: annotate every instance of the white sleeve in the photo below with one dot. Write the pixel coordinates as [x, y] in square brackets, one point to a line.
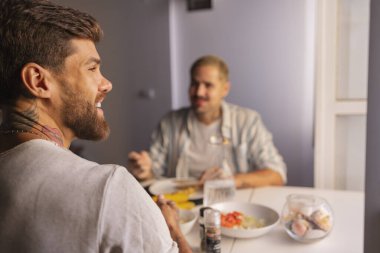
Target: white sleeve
[129, 219]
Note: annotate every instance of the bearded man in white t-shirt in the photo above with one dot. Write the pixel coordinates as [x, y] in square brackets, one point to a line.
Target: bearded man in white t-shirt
[51, 91]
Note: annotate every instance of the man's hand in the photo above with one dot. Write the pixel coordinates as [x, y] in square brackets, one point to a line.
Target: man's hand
[212, 173]
[170, 212]
[140, 165]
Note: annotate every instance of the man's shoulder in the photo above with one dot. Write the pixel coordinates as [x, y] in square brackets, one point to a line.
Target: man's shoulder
[55, 158]
[237, 110]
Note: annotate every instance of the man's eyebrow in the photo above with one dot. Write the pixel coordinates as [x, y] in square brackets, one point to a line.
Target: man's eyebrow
[92, 60]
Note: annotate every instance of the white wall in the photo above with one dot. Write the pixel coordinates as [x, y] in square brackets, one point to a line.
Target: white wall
[269, 46]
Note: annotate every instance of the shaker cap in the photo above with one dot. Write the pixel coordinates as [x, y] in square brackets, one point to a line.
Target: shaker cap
[212, 217]
[203, 209]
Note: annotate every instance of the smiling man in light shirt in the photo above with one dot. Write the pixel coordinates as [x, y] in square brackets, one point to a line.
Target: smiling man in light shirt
[182, 144]
[51, 92]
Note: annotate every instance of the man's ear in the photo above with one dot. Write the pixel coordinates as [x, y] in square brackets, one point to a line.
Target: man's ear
[226, 90]
[35, 80]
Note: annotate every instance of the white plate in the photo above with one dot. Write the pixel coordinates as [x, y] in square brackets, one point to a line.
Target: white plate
[169, 186]
[270, 216]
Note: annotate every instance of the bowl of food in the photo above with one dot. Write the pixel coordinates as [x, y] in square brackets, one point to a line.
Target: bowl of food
[187, 219]
[246, 220]
[307, 218]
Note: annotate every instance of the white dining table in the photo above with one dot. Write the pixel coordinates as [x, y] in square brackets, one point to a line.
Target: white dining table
[347, 235]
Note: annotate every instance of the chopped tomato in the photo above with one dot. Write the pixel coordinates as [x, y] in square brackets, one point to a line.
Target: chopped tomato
[231, 219]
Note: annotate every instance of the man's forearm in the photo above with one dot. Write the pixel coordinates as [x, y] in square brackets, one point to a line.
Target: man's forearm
[180, 239]
[263, 177]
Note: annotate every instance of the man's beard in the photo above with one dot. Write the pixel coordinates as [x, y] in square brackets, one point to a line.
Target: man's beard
[81, 117]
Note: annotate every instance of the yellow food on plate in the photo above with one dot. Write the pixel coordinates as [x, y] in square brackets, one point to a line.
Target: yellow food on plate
[188, 191]
[176, 197]
[181, 198]
[188, 205]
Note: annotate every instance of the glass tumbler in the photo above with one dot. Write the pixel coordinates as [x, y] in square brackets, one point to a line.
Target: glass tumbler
[307, 218]
[219, 190]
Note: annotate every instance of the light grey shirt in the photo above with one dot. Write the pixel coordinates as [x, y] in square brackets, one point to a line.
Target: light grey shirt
[250, 143]
[54, 201]
[202, 153]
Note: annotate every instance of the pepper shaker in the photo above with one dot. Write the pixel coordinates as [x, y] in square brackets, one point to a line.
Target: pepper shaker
[212, 231]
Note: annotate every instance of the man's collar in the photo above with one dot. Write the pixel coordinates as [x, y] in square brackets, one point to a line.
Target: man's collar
[226, 120]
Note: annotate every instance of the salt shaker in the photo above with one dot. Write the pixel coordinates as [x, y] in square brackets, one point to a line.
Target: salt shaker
[212, 231]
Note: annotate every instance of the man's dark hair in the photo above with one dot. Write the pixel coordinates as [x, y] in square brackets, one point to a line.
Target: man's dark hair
[37, 31]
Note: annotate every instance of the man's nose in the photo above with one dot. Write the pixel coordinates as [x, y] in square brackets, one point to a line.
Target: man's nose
[201, 90]
[105, 86]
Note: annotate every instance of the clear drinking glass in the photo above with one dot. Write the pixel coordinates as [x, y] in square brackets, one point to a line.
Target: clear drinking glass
[307, 218]
[223, 188]
[218, 190]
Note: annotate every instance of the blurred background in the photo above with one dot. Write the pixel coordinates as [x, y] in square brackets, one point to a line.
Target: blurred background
[302, 64]
[273, 49]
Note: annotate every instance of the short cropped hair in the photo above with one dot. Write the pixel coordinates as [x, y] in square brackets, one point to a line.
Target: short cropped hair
[37, 31]
[213, 61]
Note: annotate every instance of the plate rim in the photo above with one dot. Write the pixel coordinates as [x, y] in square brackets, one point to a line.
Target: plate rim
[172, 180]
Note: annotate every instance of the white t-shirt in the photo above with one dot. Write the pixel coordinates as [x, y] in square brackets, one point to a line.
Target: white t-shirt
[54, 201]
[203, 153]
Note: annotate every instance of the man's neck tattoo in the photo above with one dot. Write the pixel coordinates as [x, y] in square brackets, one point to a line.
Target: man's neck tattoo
[27, 121]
